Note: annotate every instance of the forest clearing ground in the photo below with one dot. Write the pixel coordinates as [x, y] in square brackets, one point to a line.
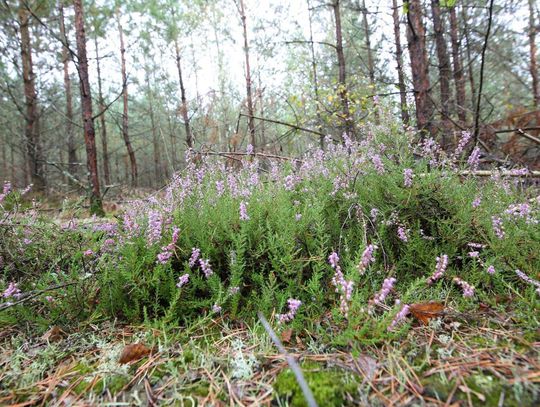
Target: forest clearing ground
[482, 359]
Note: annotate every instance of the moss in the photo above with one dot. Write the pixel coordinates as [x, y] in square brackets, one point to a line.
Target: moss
[329, 386]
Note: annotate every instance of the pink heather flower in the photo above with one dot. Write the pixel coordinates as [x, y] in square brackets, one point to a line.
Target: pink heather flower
[474, 254]
[465, 138]
[290, 182]
[377, 163]
[402, 234]
[343, 287]
[249, 149]
[440, 268]
[293, 307]
[48, 298]
[476, 245]
[175, 234]
[234, 290]
[182, 280]
[387, 286]
[333, 259]
[155, 223]
[298, 216]
[477, 202]
[374, 213]
[195, 253]
[205, 267]
[27, 241]
[474, 159]
[220, 187]
[400, 316]
[164, 257]
[367, 258]
[216, 309]
[529, 280]
[498, 227]
[12, 291]
[88, 253]
[130, 225]
[243, 211]
[521, 211]
[407, 177]
[491, 270]
[27, 190]
[519, 171]
[468, 290]
[7, 188]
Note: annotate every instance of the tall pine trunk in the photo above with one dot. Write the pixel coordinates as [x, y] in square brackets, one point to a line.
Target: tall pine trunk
[71, 145]
[459, 77]
[315, 77]
[102, 123]
[34, 153]
[125, 112]
[96, 205]
[342, 72]
[370, 62]
[184, 108]
[533, 65]
[249, 94]
[399, 62]
[444, 71]
[416, 38]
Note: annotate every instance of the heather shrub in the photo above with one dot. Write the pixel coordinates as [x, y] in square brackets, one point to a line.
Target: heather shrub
[225, 240]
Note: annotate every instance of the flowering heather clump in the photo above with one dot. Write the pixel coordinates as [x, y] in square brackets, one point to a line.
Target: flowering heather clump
[477, 202]
[12, 291]
[468, 290]
[88, 253]
[491, 270]
[216, 308]
[407, 177]
[388, 285]
[367, 258]
[463, 141]
[440, 268]
[293, 307]
[498, 227]
[400, 316]
[243, 211]
[205, 267]
[182, 280]
[195, 254]
[474, 159]
[528, 280]
[167, 251]
[343, 287]
[377, 163]
[155, 223]
[402, 234]
[5, 191]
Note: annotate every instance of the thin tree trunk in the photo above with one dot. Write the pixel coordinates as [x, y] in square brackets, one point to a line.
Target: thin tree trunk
[184, 108]
[102, 123]
[444, 71]
[399, 61]
[342, 71]
[96, 206]
[155, 142]
[466, 30]
[416, 38]
[371, 65]
[249, 96]
[533, 66]
[315, 77]
[125, 113]
[459, 78]
[71, 147]
[33, 145]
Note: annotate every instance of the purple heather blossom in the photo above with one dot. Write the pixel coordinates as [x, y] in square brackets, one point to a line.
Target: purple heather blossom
[243, 211]
[474, 254]
[474, 159]
[388, 285]
[12, 291]
[155, 224]
[491, 270]
[407, 177]
[463, 141]
[367, 258]
[216, 309]
[377, 163]
[205, 267]
[27, 241]
[195, 253]
[182, 280]
[294, 304]
[7, 188]
[528, 280]
[333, 259]
[290, 182]
[249, 149]
[468, 289]
[220, 187]
[519, 172]
[343, 287]
[298, 216]
[27, 190]
[476, 245]
[498, 227]
[164, 257]
[88, 253]
[477, 202]
[374, 213]
[234, 290]
[440, 268]
[130, 225]
[400, 316]
[402, 234]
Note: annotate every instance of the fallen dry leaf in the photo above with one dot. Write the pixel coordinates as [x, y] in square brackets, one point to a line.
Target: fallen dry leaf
[134, 351]
[286, 335]
[54, 334]
[426, 311]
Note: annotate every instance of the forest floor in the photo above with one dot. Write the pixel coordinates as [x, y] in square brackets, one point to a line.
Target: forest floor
[455, 360]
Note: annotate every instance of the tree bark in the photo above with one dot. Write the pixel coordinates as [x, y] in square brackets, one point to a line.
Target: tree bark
[370, 62]
[533, 66]
[34, 154]
[96, 205]
[249, 96]
[342, 71]
[466, 32]
[399, 61]
[444, 71]
[125, 112]
[416, 38]
[184, 108]
[102, 123]
[155, 141]
[459, 78]
[71, 146]
[315, 78]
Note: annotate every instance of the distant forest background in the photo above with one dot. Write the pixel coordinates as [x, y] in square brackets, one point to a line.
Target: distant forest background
[105, 93]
